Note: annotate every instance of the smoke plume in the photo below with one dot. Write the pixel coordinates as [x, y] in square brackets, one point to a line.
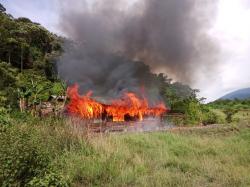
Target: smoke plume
[169, 36]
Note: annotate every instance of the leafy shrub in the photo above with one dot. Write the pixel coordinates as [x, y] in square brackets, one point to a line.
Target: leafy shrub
[229, 114]
[49, 179]
[21, 156]
[4, 117]
[4, 120]
[23, 117]
[210, 117]
[193, 113]
[191, 108]
[28, 152]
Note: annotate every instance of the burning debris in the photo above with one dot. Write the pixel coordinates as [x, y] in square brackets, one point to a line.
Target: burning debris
[129, 107]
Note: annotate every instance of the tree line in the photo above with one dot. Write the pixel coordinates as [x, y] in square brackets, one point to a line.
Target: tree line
[28, 53]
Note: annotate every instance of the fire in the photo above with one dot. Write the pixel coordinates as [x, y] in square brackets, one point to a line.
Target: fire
[128, 106]
[83, 105]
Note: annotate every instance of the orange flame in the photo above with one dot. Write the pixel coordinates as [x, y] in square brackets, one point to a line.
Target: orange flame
[129, 105]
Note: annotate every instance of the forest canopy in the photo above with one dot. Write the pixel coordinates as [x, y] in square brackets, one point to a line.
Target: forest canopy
[28, 53]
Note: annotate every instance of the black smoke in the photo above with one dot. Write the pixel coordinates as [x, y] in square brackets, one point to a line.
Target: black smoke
[167, 35]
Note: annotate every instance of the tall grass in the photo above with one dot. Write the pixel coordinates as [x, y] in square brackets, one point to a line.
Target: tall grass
[161, 159]
[206, 157]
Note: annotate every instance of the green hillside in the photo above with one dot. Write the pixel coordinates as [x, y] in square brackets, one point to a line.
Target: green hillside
[238, 94]
[28, 53]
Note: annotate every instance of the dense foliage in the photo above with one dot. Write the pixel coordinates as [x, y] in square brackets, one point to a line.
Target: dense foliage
[231, 104]
[231, 107]
[27, 61]
[184, 100]
[28, 161]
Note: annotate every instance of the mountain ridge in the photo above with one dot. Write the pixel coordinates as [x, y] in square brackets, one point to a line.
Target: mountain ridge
[241, 94]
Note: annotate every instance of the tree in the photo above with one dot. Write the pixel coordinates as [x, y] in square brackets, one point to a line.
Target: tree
[11, 43]
[32, 89]
[2, 9]
[23, 96]
[7, 83]
[27, 56]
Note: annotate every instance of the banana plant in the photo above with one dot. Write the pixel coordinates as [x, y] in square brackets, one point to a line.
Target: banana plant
[23, 95]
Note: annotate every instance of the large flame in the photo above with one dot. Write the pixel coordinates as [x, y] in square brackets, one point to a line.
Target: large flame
[129, 105]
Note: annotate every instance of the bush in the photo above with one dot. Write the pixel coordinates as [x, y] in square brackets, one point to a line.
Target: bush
[29, 152]
[4, 117]
[49, 179]
[191, 108]
[210, 117]
[23, 117]
[4, 120]
[229, 114]
[193, 113]
[21, 156]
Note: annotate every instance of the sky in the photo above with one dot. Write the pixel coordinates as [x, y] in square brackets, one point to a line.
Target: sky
[231, 28]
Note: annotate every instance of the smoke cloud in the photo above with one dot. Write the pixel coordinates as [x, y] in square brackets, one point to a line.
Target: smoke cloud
[169, 36]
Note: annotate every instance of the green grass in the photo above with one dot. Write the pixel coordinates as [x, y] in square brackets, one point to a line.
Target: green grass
[243, 115]
[219, 158]
[197, 157]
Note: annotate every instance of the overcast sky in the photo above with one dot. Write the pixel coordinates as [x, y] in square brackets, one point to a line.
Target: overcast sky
[231, 27]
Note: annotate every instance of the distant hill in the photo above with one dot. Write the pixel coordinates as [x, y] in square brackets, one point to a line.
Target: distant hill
[238, 94]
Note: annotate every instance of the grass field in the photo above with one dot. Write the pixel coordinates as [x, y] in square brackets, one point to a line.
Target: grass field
[243, 115]
[163, 159]
[196, 157]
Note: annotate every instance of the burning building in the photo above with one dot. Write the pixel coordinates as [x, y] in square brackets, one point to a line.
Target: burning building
[121, 47]
[127, 108]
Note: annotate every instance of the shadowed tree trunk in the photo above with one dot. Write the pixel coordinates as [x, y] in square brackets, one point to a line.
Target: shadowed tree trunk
[21, 58]
[9, 57]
